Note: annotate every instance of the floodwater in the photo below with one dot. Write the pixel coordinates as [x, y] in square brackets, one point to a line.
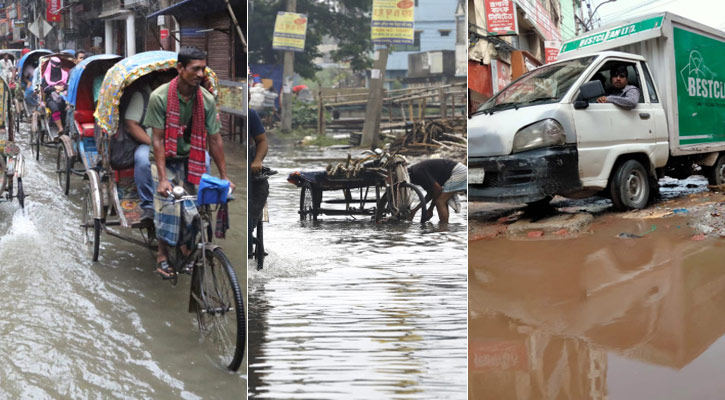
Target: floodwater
[598, 317]
[348, 309]
[76, 329]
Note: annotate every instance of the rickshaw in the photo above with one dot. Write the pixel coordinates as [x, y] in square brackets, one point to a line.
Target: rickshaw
[42, 130]
[12, 164]
[80, 142]
[111, 200]
[22, 109]
[386, 174]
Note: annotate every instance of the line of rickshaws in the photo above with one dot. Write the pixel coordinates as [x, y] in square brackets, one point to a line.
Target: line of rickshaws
[111, 204]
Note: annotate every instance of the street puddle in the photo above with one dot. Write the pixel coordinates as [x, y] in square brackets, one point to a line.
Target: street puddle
[598, 316]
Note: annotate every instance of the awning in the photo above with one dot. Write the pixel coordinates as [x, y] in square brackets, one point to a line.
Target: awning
[192, 8]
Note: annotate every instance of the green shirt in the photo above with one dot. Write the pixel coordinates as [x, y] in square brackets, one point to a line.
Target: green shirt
[156, 115]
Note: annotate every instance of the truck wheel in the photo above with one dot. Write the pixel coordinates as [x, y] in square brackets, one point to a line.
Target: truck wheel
[630, 186]
[716, 175]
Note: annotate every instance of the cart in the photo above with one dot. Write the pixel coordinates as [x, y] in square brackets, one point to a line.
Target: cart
[12, 164]
[376, 186]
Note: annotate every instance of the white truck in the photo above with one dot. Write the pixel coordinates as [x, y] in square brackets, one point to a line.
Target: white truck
[545, 134]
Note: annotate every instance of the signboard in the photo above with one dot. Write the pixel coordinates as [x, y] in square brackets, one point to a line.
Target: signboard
[501, 17]
[52, 12]
[393, 22]
[290, 30]
[540, 17]
[700, 75]
[551, 50]
[501, 75]
[163, 33]
[614, 33]
[19, 23]
[232, 97]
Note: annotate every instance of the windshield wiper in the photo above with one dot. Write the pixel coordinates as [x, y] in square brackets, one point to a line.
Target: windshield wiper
[499, 107]
[541, 99]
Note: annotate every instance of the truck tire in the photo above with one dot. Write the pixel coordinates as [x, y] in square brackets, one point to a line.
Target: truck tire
[716, 174]
[630, 186]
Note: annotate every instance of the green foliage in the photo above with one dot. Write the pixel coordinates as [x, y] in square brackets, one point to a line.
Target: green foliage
[304, 114]
[348, 21]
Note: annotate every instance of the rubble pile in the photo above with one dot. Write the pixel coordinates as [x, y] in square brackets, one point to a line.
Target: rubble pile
[434, 136]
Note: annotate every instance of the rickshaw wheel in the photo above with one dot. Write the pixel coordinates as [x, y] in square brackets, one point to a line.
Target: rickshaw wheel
[91, 240]
[381, 207]
[259, 253]
[21, 193]
[220, 309]
[308, 209]
[63, 168]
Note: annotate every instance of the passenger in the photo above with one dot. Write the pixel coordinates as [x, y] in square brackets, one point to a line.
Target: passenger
[55, 80]
[28, 71]
[133, 117]
[184, 120]
[441, 179]
[80, 55]
[621, 94]
[257, 191]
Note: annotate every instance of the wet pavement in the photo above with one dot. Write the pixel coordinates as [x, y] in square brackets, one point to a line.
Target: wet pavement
[345, 308]
[596, 314]
[72, 328]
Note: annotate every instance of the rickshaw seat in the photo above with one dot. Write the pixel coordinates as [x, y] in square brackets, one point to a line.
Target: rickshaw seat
[85, 121]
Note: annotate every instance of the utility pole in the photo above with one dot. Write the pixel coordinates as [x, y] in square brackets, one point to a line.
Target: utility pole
[374, 108]
[287, 75]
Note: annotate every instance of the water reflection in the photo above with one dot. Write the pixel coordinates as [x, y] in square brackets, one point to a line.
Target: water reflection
[345, 308]
[588, 319]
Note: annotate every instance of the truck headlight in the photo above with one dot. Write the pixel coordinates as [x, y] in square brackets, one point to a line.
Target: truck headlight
[547, 132]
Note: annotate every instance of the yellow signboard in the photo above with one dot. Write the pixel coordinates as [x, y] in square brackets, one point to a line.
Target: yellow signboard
[290, 30]
[393, 21]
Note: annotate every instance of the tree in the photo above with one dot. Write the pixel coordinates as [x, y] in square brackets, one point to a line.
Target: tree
[348, 21]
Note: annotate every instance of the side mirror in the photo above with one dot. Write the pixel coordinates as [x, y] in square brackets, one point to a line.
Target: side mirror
[591, 90]
[581, 104]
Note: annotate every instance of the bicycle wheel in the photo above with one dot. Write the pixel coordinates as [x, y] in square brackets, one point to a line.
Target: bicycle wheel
[415, 200]
[308, 208]
[91, 225]
[220, 309]
[63, 168]
[259, 253]
[21, 193]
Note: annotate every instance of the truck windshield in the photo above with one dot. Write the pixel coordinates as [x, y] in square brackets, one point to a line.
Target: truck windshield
[547, 84]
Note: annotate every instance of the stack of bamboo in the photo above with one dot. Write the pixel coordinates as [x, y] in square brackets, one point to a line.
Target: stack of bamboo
[426, 137]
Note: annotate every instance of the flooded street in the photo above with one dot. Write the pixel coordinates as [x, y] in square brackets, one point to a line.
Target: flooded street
[72, 328]
[630, 307]
[345, 308]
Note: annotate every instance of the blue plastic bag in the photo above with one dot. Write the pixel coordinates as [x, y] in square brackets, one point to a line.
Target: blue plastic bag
[212, 190]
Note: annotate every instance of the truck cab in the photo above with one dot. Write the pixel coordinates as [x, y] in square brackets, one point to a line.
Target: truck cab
[549, 133]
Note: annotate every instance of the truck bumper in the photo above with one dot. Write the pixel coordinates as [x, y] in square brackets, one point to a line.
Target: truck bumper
[526, 177]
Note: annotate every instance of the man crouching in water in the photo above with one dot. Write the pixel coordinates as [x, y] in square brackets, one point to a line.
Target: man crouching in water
[184, 120]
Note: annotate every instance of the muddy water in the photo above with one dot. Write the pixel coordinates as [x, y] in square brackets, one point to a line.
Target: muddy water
[598, 316]
[348, 309]
[72, 328]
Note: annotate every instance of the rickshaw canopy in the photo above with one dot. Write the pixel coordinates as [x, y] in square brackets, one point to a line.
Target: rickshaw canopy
[76, 73]
[33, 55]
[127, 71]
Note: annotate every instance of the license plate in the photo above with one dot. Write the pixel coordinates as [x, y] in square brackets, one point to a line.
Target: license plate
[475, 175]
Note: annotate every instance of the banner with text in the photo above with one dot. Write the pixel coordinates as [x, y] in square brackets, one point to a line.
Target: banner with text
[393, 22]
[52, 12]
[290, 30]
[501, 17]
[551, 50]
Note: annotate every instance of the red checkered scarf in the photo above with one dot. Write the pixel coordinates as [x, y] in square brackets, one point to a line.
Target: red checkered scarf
[197, 157]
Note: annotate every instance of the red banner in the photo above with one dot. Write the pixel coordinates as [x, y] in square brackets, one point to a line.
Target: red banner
[52, 12]
[501, 17]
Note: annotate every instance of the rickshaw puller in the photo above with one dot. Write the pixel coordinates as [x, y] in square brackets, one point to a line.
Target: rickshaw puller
[178, 151]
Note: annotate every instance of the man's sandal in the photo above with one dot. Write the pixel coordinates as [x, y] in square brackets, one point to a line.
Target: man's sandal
[165, 270]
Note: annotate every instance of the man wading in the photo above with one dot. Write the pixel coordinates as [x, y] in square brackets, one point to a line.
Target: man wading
[184, 119]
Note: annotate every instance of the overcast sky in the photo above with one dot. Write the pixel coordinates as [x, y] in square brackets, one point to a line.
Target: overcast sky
[708, 12]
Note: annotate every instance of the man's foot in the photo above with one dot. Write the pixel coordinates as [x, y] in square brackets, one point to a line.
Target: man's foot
[166, 271]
